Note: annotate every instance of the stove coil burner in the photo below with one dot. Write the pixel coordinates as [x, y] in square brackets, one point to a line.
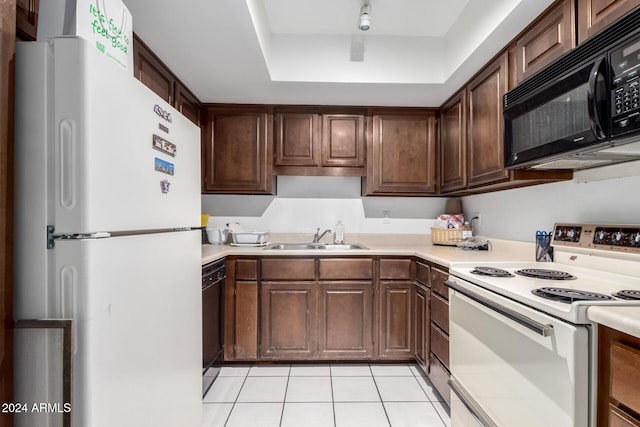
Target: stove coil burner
[569, 295]
[491, 271]
[539, 273]
[627, 294]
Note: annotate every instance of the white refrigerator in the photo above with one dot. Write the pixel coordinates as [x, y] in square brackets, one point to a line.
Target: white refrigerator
[107, 210]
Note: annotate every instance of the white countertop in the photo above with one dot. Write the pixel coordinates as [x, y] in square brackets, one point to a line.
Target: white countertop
[385, 244]
[623, 319]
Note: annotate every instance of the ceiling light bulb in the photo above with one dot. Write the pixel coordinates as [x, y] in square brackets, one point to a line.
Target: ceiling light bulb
[365, 22]
[365, 17]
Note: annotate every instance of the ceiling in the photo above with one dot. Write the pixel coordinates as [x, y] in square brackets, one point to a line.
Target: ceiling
[417, 52]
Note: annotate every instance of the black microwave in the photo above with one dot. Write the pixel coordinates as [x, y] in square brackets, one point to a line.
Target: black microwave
[577, 112]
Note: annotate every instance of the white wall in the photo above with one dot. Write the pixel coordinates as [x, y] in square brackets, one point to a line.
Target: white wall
[517, 214]
[306, 203]
[604, 195]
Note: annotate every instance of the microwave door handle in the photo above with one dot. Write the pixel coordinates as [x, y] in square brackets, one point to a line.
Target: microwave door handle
[596, 122]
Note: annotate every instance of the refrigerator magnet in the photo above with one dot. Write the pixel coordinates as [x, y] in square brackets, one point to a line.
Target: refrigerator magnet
[164, 186]
[164, 166]
[163, 145]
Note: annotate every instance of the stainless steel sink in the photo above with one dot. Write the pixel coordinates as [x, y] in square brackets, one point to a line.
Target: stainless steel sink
[320, 246]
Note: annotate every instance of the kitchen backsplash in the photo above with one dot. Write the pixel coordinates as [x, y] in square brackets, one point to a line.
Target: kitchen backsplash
[510, 214]
[305, 203]
[290, 215]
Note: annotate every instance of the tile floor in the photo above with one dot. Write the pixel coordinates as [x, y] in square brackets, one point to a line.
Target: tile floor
[344, 395]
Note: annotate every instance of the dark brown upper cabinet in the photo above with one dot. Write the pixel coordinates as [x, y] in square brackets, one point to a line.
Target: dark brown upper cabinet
[548, 38]
[237, 150]
[595, 15]
[453, 143]
[187, 103]
[152, 72]
[297, 139]
[401, 153]
[27, 19]
[485, 124]
[343, 140]
[472, 136]
[319, 140]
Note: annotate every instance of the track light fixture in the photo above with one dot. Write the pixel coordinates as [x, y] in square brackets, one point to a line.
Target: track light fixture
[365, 17]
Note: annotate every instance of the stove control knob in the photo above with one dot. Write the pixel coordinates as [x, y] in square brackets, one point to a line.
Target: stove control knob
[571, 233]
[559, 232]
[618, 237]
[601, 236]
[635, 239]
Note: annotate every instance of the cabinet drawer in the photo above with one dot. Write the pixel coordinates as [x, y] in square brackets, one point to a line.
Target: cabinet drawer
[288, 269]
[439, 376]
[625, 375]
[438, 278]
[440, 312]
[247, 269]
[345, 268]
[440, 344]
[617, 418]
[422, 273]
[395, 269]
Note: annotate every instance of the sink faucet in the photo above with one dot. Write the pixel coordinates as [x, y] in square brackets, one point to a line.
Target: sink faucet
[318, 236]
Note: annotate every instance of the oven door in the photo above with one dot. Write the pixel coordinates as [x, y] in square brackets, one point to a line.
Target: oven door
[514, 366]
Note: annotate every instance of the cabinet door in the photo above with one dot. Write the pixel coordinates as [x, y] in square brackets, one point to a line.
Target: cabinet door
[421, 327]
[287, 328]
[402, 159]
[245, 345]
[485, 131]
[344, 320]
[453, 144]
[595, 15]
[547, 40]
[187, 103]
[151, 71]
[396, 326]
[297, 139]
[237, 151]
[27, 19]
[343, 140]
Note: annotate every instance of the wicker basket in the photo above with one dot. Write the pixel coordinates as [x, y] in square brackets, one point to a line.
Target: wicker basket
[445, 236]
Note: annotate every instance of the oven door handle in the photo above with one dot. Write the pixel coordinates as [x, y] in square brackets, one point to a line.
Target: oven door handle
[475, 409]
[535, 326]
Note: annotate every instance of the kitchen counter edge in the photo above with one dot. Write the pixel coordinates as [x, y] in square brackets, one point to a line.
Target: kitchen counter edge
[622, 318]
[384, 245]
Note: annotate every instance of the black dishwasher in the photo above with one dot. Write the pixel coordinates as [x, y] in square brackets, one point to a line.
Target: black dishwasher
[213, 278]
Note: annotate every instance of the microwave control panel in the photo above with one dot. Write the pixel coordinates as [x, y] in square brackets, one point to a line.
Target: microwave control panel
[625, 95]
[619, 238]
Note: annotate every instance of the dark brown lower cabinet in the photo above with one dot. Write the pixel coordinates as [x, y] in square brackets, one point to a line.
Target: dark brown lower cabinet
[618, 379]
[241, 310]
[344, 320]
[287, 320]
[396, 326]
[421, 326]
[438, 371]
[308, 320]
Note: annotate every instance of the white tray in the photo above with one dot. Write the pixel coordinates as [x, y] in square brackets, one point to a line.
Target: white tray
[252, 245]
[250, 237]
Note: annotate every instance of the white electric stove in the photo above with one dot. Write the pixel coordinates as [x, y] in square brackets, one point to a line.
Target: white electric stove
[523, 351]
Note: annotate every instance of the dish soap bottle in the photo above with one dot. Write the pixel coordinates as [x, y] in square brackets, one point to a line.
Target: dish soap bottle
[338, 236]
[467, 233]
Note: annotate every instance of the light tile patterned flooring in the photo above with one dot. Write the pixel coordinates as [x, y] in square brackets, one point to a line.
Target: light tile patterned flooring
[323, 395]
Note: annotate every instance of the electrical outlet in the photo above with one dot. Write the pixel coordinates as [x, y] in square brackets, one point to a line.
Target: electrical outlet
[476, 220]
[385, 217]
[476, 217]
